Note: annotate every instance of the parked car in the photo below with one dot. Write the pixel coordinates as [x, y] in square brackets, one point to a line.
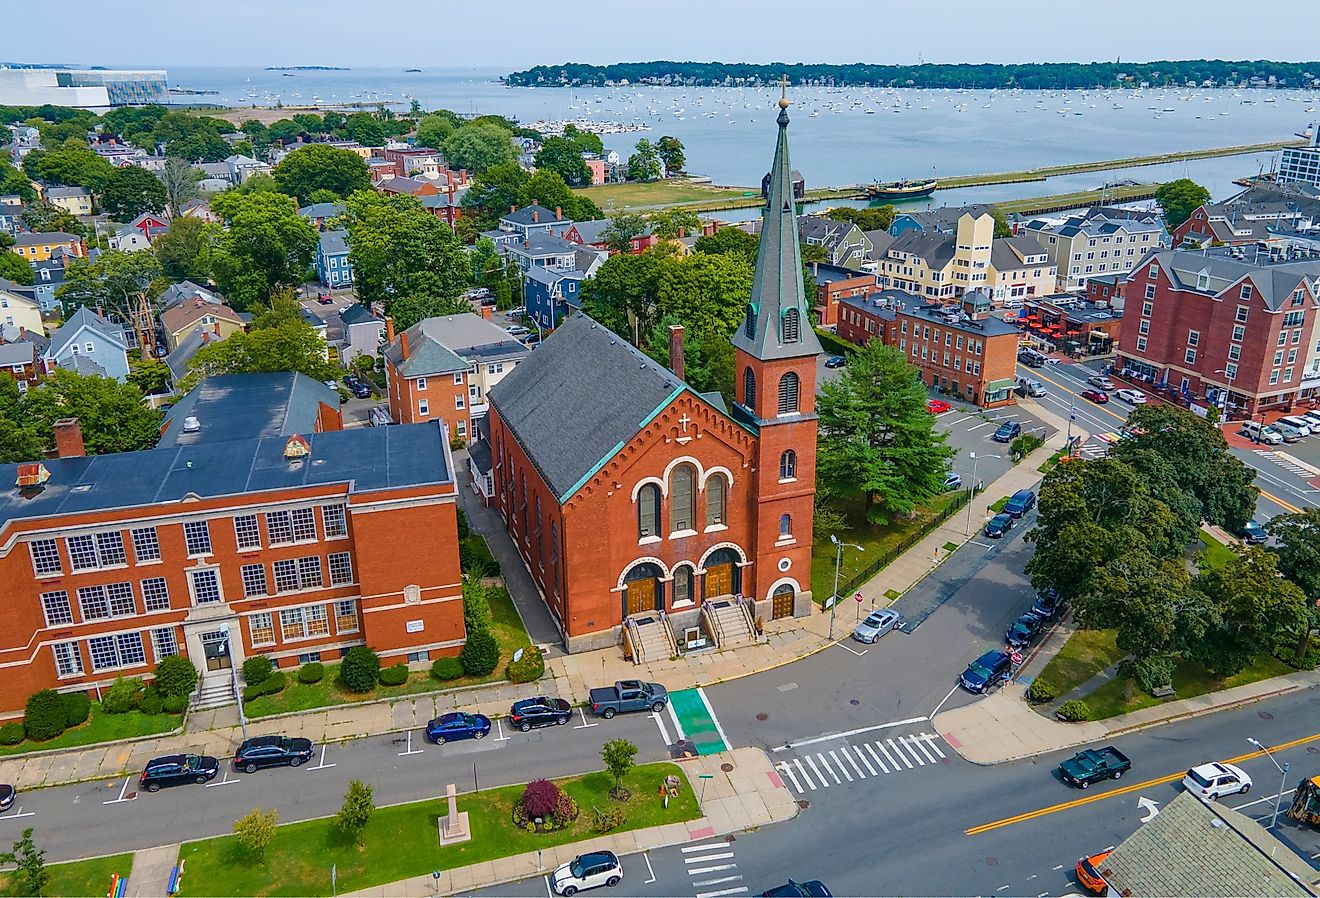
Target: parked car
[325, 299]
[1020, 503]
[516, 330]
[1024, 630]
[1312, 419]
[1253, 534]
[1047, 604]
[952, 481]
[457, 725]
[587, 871]
[1261, 433]
[357, 386]
[1089, 876]
[272, 751]
[812, 888]
[937, 406]
[542, 711]
[628, 695]
[1099, 380]
[1129, 395]
[876, 624]
[518, 312]
[7, 795]
[1303, 425]
[835, 361]
[1007, 432]
[1100, 397]
[1093, 765]
[172, 770]
[1028, 387]
[1031, 358]
[1290, 433]
[1211, 782]
[986, 672]
[1000, 524]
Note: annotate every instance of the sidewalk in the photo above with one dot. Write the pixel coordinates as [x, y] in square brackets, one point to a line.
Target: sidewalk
[748, 795]
[569, 676]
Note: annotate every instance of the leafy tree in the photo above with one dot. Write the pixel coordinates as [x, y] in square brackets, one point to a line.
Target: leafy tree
[728, 241]
[408, 310]
[670, 224]
[1179, 199]
[29, 864]
[321, 195]
[357, 809]
[548, 189]
[320, 166]
[481, 654]
[487, 263]
[111, 414]
[283, 130]
[870, 218]
[586, 141]
[291, 346]
[112, 282]
[192, 138]
[1002, 227]
[257, 133]
[620, 756]
[707, 358]
[70, 166]
[623, 293]
[562, 156]
[644, 164]
[256, 830]
[266, 245]
[14, 268]
[14, 182]
[672, 157]
[877, 440]
[180, 182]
[707, 293]
[42, 217]
[132, 191]
[493, 192]
[1257, 609]
[18, 442]
[150, 376]
[365, 128]
[184, 249]
[360, 669]
[433, 129]
[175, 675]
[621, 230]
[398, 249]
[813, 252]
[478, 146]
[1298, 548]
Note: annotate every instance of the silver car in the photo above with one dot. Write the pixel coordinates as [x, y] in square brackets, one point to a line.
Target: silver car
[876, 624]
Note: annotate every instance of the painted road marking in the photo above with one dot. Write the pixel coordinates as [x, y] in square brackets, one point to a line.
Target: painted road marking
[842, 769]
[841, 762]
[715, 869]
[584, 724]
[1290, 463]
[857, 732]
[803, 771]
[323, 765]
[18, 813]
[499, 724]
[719, 880]
[1133, 787]
[646, 856]
[701, 859]
[898, 751]
[412, 751]
[701, 693]
[673, 715]
[224, 782]
[660, 722]
[902, 740]
[122, 793]
[916, 740]
[826, 764]
[848, 755]
[785, 770]
[930, 740]
[871, 751]
[816, 770]
[696, 721]
[888, 756]
[721, 892]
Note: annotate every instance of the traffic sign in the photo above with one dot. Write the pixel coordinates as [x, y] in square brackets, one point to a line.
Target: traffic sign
[858, 597]
[1016, 657]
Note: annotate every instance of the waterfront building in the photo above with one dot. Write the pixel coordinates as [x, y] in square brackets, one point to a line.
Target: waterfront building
[1301, 165]
[1099, 241]
[82, 88]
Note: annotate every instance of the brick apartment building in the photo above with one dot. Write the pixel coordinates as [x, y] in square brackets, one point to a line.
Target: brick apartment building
[834, 283]
[233, 540]
[1236, 333]
[962, 350]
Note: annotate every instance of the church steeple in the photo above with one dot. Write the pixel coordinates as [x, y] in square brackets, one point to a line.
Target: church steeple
[777, 324]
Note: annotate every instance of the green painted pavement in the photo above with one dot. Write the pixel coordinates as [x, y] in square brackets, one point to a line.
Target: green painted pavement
[696, 721]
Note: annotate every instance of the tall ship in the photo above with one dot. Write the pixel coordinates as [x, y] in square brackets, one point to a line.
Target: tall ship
[902, 190]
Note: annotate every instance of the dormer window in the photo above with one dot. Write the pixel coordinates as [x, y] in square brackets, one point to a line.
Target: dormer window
[791, 326]
[1203, 280]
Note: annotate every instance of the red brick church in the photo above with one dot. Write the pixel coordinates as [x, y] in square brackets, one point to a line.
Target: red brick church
[648, 510]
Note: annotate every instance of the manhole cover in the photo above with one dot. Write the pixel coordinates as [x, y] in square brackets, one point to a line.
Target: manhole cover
[727, 768]
[763, 716]
[803, 804]
[992, 862]
[1264, 715]
[730, 839]
[853, 701]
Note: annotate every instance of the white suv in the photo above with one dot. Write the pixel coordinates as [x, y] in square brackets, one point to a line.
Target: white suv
[1135, 397]
[586, 871]
[1211, 782]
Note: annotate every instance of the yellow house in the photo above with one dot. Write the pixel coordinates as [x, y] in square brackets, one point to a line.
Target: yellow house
[74, 200]
[40, 247]
[201, 311]
[17, 310]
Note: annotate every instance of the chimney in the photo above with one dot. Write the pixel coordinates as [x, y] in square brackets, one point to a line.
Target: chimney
[216, 328]
[536, 202]
[22, 332]
[536, 216]
[69, 438]
[676, 350]
[389, 329]
[558, 214]
[403, 344]
[513, 208]
[100, 312]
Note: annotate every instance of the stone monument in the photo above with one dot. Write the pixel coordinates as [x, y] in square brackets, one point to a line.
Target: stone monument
[454, 825]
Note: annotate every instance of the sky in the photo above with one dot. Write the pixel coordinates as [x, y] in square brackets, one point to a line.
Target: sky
[517, 34]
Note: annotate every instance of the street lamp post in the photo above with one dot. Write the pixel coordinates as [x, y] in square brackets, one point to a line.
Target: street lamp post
[838, 561]
[1283, 779]
[967, 531]
[233, 674]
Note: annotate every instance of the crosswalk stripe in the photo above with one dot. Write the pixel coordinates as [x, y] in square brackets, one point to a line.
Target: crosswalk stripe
[826, 764]
[788, 772]
[717, 868]
[902, 757]
[903, 741]
[802, 770]
[735, 891]
[701, 859]
[842, 769]
[862, 755]
[816, 770]
[717, 880]
[930, 740]
[877, 758]
[709, 846]
[849, 756]
[916, 740]
[888, 756]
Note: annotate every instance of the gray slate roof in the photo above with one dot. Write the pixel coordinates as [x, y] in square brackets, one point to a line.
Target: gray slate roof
[322, 210]
[936, 249]
[84, 317]
[1008, 252]
[82, 364]
[366, 458]
[541, 243]
[592, 231]
[356, 313]
[479, 452]
[334, 243]
[183, 291]
[36, 239]
[945, 219]
[526, 214]
[1274, 283]
[241, 406]
[20, 353]
[885, 304]
[66, 192]
[177, 361]
[579, 398]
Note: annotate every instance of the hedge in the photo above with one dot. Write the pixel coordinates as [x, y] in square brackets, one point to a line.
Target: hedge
[480, 655]
[256, 669]
[124, 695]
[152, 702]
[359, 670]
[447, 669]
[269, 686]
[174, 704]
[12, 733]
[1074, 710]
[394, 676]
[311, 672]
[531, 666]
[175, 675]
[77, 708]
[44, 716]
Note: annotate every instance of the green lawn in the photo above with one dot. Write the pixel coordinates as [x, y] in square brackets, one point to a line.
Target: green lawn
[101, 727]
[642, 195]
[1085, 654]
[505, 625]
[1215, 554]
[76, 878]
[401, 841]
[875, 541]
[998, 505]
[1189, 680]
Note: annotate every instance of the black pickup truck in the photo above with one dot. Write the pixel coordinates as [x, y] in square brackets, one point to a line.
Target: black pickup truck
[1093, 765]
[628, 695]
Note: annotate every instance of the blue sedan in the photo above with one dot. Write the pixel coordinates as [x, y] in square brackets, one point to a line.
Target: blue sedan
[457, 725]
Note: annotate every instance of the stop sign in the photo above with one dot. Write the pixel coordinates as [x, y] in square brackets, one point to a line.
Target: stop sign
[858, 597]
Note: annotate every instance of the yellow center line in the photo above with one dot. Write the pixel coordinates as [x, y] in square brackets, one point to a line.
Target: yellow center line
[1076, 803]
[1277, 501]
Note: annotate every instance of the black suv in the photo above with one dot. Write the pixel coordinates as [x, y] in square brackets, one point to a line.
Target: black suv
[356, 386]
[171, 770]
[1047, 604]
[1024, 630]
[542, 711]
[272, 751]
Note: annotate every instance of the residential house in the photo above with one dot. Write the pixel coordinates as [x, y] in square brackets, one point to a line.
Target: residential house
[215, 177]
[38, 247]
[18, 361]
[598, 168]
[443, 368]
[592, 234]
[1258, 215]
[18, 308]
[799, 185]
[936, 221]
[1096, 242]
[542, 250]
[74, 200]
[140, 233]
[845, 244]
[179, 359]
[186, 291]
[48, 277]
[961, 350]
[240, 168]
[444, 206]
[333, 267]
[183, 318]
[523, 223]
[320, 214]
[11, 213]
[23, 139]
[199, 207]
[89, 344]
[549, 294]
[410, 186]
[363, 333]
[833, 284]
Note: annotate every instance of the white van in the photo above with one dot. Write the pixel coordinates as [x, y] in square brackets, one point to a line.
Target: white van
[1261, 433]
[1304, 426]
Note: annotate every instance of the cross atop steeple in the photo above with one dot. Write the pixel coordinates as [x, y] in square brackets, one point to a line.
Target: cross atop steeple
[783, 90]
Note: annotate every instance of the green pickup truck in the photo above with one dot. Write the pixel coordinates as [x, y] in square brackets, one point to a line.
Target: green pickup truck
[1093, 765]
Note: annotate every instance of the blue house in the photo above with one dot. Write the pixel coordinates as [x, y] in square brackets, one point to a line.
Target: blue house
[89, 344]
[551, 293]
[332, 265]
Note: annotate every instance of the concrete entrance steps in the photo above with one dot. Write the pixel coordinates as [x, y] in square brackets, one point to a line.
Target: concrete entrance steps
[151, 872]
[215, 692]
[732, 623]
[652, 640]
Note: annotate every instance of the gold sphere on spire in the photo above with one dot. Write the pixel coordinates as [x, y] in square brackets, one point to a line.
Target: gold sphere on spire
[783, 102]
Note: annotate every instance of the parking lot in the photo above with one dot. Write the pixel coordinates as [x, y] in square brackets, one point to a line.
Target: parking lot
[970, 430]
